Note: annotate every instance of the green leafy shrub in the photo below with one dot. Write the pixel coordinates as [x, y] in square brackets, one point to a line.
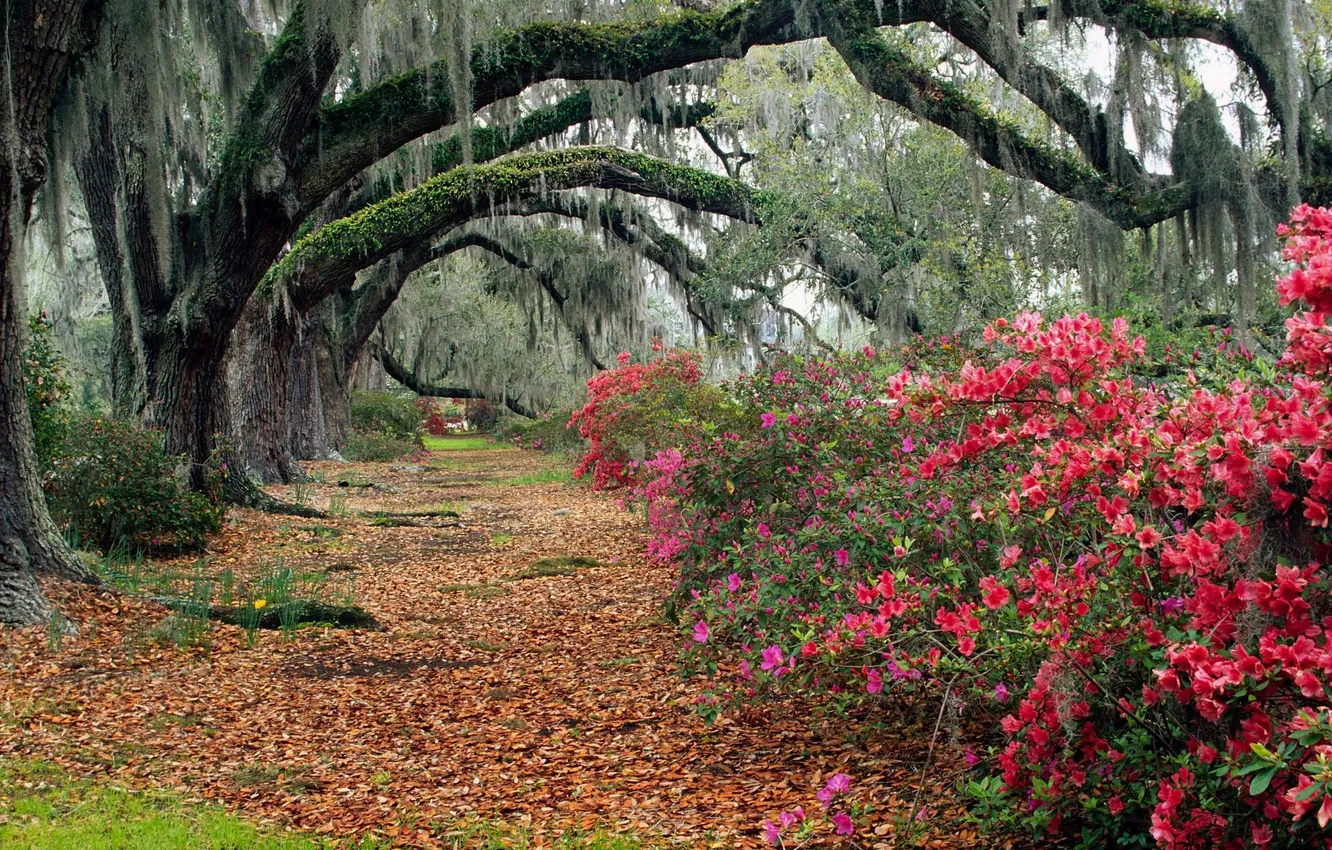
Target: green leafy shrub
[111, 484]
[551, 434]
[386, 413]
[47, 388]
[371, 446]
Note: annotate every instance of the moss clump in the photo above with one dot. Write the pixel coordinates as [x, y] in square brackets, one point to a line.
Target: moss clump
[475, 591]
[563, 566]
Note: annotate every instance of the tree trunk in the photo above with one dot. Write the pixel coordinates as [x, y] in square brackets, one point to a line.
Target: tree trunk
[334, 383]
[99, 180]
[38, 49]
[29, 540]
[258, 381]
[310, 432]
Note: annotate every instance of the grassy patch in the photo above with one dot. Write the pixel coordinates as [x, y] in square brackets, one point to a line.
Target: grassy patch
[460, 444]
[554, 475]
[501, 539]
[43, 808]
[489, 835]
[395, 519]
[565, 565]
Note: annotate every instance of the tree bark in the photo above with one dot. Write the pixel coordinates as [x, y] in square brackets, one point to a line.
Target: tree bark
[311, 435]
[259, 376]
[39, 49]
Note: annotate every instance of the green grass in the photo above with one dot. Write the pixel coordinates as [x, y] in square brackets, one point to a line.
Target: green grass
[486, 835]
[44, 808]
[555, 475]
[563, 566]
[459, 444]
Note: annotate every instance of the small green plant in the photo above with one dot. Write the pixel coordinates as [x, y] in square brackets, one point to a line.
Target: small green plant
[47, 389]
[337, 505]
[354, 479]
[248, 615]
[55, 631]
[300, 492]
[501, 539]
[227, 579]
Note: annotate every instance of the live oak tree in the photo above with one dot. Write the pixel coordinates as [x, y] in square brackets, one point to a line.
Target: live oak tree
[190, 268]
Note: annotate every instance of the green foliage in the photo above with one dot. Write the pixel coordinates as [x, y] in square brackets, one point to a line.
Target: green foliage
[113, 485]
[44, 808]
[385, 426]
[386, 413]
[48, 391]
[374, 446]
[459, 444]
[551, 434]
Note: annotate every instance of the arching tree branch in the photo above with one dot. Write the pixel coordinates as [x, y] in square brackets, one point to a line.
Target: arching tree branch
[359, 130]
[408, 379]
[322, 260]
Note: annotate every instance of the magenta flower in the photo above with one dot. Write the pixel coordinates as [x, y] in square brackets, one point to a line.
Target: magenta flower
[874, 683]
[701, 632]
[908, 445]
[764, 531]
[771, 833]
[772, 658]
[970, 757]
[842, 821]
[838, 783]
[843, 557]
[791, 818]
[768, 419]
[1001, 692]
[733, 582]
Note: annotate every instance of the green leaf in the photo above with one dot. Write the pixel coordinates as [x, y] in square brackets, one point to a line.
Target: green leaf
[1261, 781]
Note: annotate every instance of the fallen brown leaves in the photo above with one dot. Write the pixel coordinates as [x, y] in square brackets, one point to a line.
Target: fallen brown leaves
[555, 704]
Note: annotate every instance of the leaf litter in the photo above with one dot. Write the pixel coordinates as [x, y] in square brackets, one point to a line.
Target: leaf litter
[553, 703]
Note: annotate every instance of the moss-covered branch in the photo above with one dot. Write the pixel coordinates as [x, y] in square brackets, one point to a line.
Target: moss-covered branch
[322, 260]
[973, 25]
[358, 131]
[891, 74]
[1170, 19]
[490, 143]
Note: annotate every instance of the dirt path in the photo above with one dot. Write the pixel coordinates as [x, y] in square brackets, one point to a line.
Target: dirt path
[547, 702]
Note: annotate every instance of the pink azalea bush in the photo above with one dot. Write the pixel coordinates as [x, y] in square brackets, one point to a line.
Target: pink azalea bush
[1131, 573]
